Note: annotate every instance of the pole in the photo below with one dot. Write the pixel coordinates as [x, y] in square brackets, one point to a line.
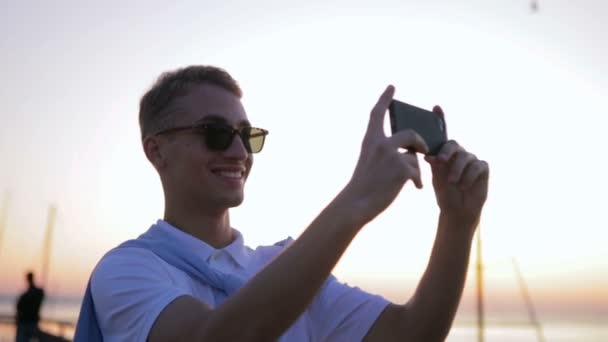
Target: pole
[3, 216]
[528, 300]
[480, 308]
[46, 251]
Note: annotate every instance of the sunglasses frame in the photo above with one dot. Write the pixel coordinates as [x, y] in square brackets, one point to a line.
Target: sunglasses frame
[201, 128]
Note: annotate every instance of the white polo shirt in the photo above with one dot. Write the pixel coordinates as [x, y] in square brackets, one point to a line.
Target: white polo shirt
[131, 286]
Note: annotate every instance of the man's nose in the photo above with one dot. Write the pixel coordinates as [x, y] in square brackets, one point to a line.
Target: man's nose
[237, 149]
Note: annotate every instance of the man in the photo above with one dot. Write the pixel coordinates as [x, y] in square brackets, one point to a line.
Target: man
[28, 310]
[190, 277]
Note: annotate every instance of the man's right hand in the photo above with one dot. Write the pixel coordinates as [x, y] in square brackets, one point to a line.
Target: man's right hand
[382, 169]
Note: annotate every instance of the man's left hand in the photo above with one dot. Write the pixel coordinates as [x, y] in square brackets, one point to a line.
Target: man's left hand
[460, 181]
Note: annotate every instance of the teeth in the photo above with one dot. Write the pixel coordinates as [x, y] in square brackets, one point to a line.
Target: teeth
[230, 174]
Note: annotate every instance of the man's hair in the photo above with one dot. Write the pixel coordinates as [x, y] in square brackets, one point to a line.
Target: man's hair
[174, 84]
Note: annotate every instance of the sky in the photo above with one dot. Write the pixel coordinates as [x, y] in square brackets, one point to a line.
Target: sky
[524, 91]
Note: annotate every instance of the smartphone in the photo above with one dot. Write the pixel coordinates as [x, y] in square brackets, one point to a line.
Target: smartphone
[430, 125]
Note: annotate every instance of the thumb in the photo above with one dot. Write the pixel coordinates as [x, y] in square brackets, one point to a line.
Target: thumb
[417, 178]
[376, 119]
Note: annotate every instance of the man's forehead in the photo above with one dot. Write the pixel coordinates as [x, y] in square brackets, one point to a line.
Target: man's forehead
[209, 102]
[219, 118]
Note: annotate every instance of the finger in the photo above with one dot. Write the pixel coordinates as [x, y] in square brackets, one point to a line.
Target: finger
[437, 109]
[431, 159]
[448, 150]
[437, 167]
[434, 163]
[460, 162]
[417, 179]
[475, 171]
[410, 140]
[376, 119]
[411, 168]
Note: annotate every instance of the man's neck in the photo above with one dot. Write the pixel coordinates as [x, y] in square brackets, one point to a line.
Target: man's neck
[211, 228]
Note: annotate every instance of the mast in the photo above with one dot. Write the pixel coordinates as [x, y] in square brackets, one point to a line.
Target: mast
[3, 215]
[46, 251]
[479, 273]
[528, 300]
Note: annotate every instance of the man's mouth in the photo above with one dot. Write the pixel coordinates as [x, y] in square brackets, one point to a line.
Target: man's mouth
[229, 173]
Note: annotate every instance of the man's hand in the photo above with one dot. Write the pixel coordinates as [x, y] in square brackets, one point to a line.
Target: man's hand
[383, 169]
[460, 181]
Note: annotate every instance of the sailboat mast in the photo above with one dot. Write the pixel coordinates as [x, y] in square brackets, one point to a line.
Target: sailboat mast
[3, 215]
[46, 252]
[528, 300]
[479, 273]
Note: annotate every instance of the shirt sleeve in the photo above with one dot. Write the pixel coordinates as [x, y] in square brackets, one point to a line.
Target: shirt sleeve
[130, 288]
[344, 313]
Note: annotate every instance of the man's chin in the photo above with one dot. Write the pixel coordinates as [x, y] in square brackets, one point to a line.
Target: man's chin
[236, 203]
[232, 201]
[221, 201]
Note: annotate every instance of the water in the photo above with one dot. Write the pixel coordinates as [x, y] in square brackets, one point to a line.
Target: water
[63, 308]
[553, 332]
[572, 329]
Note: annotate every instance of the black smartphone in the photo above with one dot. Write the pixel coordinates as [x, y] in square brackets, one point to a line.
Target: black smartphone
[430, 125]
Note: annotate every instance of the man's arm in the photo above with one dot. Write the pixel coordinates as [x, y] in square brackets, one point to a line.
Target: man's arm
[272, 300]
[460, 181]
[428, 315]
[437, 297]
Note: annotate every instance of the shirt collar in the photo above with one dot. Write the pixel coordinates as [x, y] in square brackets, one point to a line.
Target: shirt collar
[236, 249]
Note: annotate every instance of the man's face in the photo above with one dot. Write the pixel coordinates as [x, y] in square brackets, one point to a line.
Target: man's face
[195, 174]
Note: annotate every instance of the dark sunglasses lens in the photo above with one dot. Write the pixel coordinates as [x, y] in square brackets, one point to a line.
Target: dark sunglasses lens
[256, 140]
[218, 137]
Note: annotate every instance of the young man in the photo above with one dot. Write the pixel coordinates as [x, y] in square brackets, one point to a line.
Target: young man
[190, 278]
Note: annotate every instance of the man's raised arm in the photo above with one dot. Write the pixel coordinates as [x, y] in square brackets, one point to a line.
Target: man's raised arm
[460, 181]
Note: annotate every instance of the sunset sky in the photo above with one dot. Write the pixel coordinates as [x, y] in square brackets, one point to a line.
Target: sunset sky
[524, 91]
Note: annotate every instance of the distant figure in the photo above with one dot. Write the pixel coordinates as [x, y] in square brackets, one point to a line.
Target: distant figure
[28, 309]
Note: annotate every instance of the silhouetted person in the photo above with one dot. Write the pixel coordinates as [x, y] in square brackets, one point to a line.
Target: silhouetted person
[28, 310]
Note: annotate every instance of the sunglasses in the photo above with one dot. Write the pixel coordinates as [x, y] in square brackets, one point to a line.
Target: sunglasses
[219, 136]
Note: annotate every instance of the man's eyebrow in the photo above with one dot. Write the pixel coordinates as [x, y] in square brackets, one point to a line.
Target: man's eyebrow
[212, 118]
[221, 119]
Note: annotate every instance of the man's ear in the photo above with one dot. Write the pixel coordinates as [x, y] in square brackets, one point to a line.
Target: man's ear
[154, 153]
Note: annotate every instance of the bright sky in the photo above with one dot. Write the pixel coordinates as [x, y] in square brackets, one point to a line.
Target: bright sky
[524, 91]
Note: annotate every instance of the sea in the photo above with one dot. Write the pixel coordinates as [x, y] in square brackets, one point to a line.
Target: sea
[497, 329]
